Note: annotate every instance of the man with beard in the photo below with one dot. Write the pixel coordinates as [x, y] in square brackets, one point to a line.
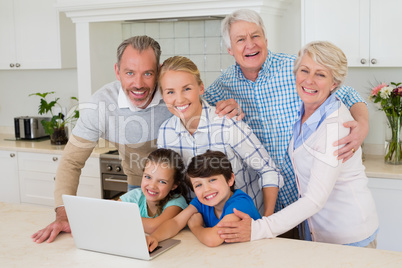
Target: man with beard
[127, 113]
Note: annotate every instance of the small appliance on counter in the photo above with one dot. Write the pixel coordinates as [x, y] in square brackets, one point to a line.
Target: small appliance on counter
[29, 127]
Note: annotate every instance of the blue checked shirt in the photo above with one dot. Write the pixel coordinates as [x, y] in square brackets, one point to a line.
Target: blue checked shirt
[251, 163]
[271, 104]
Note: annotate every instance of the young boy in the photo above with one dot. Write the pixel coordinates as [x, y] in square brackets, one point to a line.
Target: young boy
[211, 178]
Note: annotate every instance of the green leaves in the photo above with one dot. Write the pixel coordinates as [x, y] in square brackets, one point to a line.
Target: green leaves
[76, 114]
[46, 107]
[49, 125]
[57, 121]
[42, 95]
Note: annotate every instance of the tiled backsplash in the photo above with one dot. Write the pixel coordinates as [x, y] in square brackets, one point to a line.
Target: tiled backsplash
[198, 40]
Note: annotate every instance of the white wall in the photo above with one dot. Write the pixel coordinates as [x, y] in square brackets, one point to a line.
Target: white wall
[15, 86]
[199, 40]
[288, 33]
[105, 37]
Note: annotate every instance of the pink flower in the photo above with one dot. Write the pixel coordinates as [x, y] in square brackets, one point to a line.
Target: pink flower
[376, 89]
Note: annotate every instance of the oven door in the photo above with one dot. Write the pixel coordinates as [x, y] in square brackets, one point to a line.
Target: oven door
[113, 185]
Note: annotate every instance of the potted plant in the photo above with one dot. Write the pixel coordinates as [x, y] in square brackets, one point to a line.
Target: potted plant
[56, 127]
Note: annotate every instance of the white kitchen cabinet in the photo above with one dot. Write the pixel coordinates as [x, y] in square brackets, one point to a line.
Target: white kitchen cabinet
[37, 173]
[9, 184]
[387, 194]
[33, 35]
[368, 31]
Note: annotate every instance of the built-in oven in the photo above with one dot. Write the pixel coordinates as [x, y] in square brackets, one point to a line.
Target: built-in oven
[114, 181]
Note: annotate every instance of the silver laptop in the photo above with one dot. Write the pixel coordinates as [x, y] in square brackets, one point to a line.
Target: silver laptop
[111, 227]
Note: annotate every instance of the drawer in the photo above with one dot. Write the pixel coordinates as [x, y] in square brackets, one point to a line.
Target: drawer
[48, 163]
[38, 162]
[37, 188]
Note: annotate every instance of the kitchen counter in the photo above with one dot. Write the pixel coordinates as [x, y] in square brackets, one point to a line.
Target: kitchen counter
[8, 143]
[20, 221]
[375, 166]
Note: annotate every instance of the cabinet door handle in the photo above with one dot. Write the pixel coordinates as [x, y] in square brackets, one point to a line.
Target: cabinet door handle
[12, 155]
[17, 65]
[11, 65]
[55, 159]
[114, 180]
[373, 61]
[363, 61]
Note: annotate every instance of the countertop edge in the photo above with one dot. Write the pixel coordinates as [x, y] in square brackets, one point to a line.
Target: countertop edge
[44, 146]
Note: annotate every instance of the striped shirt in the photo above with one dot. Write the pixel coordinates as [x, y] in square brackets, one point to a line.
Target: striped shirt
[271, 106]
[251, 164]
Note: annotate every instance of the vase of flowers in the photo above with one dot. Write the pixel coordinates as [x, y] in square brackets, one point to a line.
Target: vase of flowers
[56, 128]
[388, 97]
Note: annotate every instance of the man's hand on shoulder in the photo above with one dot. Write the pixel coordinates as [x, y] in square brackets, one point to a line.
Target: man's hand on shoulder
[358, 132]
[230, 108]
[51, 231]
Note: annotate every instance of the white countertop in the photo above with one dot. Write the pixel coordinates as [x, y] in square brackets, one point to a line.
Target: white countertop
[376, 168]
[8, 143]
[20, 221]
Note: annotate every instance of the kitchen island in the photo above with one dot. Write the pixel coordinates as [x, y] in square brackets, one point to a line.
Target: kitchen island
[19, 221]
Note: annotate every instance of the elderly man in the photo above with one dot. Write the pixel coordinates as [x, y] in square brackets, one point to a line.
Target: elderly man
[263, 85]
[127, 113]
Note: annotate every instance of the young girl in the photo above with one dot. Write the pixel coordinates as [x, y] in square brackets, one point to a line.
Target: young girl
[195, 128]
[162, 193]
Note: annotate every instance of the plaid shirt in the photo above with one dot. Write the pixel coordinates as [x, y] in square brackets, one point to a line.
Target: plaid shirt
[271, 105]
[251, 163]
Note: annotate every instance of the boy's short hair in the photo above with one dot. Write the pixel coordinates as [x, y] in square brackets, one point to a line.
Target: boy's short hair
[208, 164]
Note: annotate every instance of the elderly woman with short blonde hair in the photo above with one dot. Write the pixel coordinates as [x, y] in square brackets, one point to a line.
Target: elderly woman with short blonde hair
[335, 204]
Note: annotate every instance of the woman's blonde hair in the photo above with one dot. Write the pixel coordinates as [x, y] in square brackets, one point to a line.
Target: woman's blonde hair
[180, 63]
[327, 55]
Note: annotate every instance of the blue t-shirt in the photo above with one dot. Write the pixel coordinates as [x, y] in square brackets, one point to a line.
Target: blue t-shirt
[138, 197]
[239, 200]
